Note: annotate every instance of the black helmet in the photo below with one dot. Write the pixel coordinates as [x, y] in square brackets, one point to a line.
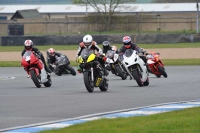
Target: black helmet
[106, 44]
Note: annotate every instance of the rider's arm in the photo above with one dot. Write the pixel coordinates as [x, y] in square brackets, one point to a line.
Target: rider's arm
[97, 48]
[79, 51]
[36, 50]
[58, 54]
[23, 52]
[121, 50]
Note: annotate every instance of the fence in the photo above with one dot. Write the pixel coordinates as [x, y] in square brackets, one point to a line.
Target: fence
[184, 21]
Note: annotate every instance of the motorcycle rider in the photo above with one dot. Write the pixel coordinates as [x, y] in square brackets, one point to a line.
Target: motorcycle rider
[106, 47]
[51, 57]
[28, 46]
[90, 44]
[127, 44]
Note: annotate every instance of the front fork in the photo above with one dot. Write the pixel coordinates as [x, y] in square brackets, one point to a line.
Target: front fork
[92, 74]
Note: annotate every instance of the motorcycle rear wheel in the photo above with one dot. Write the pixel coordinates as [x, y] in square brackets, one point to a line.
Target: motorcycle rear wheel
[146, 83]
[104, 86]
[89, 84]
[71, 69]
[35, 79]
[48, 83]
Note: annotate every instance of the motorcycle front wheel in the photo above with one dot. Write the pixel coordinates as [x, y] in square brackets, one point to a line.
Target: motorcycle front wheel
[120, 72]
[162, 71]
[89, 84]
[35, 78]
[137, 78]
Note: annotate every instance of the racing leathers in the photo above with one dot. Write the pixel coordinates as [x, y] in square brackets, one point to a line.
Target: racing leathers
[52, 59]
[37, 51]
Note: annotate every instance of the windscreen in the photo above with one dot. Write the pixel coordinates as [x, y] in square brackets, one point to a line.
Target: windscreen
[110, 54]
[128, 52]
[86, 52]
[27, 53]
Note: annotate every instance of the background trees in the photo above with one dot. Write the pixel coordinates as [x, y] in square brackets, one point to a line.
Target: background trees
[105, 9]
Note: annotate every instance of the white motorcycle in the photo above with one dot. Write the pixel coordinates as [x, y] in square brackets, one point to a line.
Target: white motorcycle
[135, 67]
[115, 65]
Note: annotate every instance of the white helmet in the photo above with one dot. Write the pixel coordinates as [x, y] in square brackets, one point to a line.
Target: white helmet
[28, 44]
[87, 40]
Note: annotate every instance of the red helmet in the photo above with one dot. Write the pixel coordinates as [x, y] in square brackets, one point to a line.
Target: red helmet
[127, 41]
[28, 45]
[51, 51]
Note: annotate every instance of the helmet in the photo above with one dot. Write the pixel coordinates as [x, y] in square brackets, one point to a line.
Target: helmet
[51, 51]
[127, 41]
[87, 40]
[106, 44]
[28, 44]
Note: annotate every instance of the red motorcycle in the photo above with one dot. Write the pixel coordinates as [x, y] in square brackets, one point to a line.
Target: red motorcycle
[155, 64]
[35, 68]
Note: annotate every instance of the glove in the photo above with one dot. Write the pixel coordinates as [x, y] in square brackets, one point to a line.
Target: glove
[54, 66]
[77, 59]
[104, 58]
[100, 52]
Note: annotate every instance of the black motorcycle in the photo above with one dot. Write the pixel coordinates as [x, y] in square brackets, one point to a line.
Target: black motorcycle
[93, 72]
[62, 66]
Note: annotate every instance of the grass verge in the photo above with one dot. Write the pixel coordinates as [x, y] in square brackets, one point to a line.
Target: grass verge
[167, 62]
[181, 121]
[75, 46]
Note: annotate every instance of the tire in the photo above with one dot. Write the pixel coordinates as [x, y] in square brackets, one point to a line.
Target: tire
[137, 78]
[36, 80]
[104, 86]
[120, 72]
[88, 83]
[146, 83]
[158, 76]
[162, 71]
[48, 83]
[71, 69]
[59, 73]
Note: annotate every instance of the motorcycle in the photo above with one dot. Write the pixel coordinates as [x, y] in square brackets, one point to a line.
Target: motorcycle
[135, 67]
[35, 68]
[155, 64]
[62, 65]
[93, 72]
[114, 65]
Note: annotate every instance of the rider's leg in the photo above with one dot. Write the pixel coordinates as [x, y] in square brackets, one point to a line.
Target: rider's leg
[45, 65]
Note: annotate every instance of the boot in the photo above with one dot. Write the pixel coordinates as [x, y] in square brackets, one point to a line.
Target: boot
[47, 69]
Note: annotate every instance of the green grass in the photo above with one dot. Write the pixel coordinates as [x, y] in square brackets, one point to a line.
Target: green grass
[181, 62]
[75, 46]
[167, 62]
[181, 121]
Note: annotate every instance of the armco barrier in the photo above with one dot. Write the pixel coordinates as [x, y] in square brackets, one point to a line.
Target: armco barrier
[48, 40]
[76, 39]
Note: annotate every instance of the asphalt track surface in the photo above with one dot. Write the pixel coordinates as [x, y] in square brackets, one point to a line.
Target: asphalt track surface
[21, 103]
